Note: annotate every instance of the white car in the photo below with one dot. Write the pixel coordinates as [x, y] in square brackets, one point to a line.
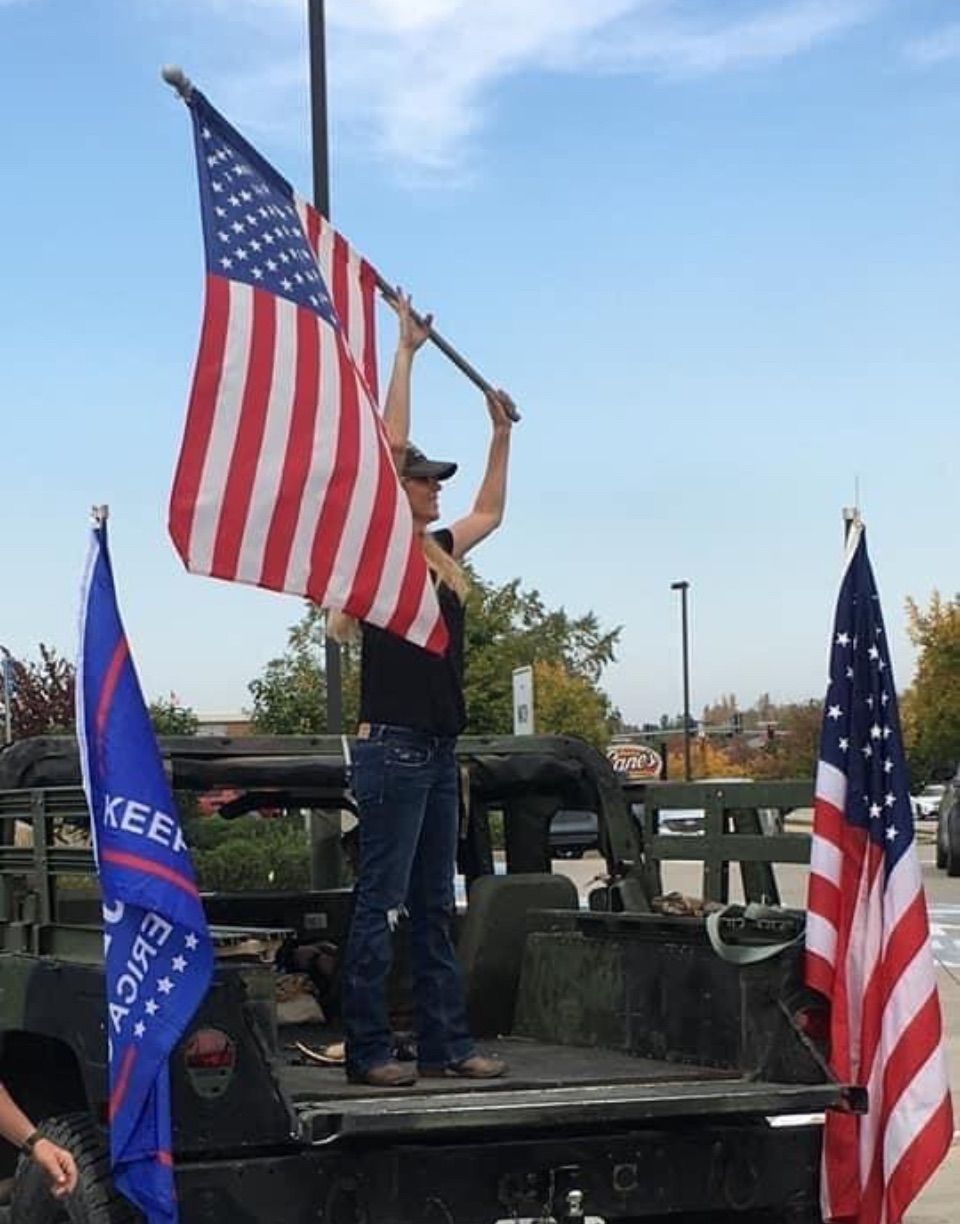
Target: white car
[926, 804]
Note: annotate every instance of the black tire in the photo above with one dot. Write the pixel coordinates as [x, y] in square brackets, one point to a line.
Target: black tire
[941, 855]
[95, 1200]
[953, 859]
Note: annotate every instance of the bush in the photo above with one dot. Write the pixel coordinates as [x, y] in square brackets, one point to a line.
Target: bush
[251, 852]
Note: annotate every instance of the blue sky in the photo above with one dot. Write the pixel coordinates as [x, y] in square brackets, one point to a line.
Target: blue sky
[711, 246]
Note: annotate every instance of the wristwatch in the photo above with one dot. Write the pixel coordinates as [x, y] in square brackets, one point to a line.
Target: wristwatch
[31, 1142]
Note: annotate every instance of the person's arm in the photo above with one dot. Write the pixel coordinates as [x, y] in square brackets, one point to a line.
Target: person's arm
[55, 1161]
[487, 513]
[396, 411]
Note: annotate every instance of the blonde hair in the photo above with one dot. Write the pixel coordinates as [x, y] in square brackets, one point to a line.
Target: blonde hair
[448, 570]
[343, 628]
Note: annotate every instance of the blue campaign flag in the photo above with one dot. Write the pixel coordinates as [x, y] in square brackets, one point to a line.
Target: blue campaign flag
[158, 951]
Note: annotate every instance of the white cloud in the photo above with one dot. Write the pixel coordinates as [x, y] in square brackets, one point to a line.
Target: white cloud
[936, 48]
[770, 34]
[416, 79]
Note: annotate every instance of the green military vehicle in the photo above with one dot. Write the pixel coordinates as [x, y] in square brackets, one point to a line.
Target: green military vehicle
[651, 1078]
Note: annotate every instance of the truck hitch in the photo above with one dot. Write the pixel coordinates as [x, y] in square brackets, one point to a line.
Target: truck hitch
[570, 1210]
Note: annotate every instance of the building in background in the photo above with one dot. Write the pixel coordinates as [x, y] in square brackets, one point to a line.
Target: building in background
[234, 724]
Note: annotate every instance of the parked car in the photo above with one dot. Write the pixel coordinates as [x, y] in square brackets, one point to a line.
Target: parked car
[691, 822]
[926, 804]
[683, 822]
[572, 833]
[948, 828]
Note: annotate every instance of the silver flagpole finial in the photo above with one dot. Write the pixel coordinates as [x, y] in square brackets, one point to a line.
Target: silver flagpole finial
[174, 75]
[99, 515]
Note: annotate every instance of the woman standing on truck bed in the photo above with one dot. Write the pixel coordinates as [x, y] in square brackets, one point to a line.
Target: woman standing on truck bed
[405, 775]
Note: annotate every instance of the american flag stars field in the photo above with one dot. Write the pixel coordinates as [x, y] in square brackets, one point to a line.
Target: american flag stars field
[258, 231]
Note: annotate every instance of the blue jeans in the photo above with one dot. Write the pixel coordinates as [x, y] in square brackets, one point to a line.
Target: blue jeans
[406, 786]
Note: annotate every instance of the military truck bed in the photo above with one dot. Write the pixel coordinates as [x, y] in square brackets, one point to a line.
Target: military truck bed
[549, 1085]
[642, 1064]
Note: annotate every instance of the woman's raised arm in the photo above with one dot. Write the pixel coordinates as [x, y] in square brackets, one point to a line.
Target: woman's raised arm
[488, 508]
[396, 412]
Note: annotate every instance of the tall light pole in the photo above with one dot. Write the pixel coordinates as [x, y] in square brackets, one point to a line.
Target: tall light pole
[683, 586]
[318, 106]
[317, 34]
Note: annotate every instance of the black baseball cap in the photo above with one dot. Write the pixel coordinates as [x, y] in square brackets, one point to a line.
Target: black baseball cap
[416, 463]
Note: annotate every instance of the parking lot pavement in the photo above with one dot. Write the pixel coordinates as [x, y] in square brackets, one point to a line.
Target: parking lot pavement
[937, 1204]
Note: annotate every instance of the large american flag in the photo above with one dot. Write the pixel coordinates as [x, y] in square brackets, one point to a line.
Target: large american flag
[285, 478]
[867, 942]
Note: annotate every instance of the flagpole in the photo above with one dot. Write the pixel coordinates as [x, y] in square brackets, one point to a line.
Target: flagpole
[177, 79]
[449, 351]
[321, 199]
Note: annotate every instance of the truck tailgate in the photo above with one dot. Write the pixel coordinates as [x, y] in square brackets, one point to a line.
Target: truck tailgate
[547, 1085]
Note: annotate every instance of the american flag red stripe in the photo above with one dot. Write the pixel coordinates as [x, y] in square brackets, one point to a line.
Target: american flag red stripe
[330, 526]
[201, 411]
[296, 461]
[867, 942]
[241, 471]
[285, 478]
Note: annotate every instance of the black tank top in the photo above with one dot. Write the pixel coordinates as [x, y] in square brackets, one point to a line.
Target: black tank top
[407, 686]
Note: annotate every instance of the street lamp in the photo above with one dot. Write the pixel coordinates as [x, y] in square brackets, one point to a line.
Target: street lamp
[683, 586]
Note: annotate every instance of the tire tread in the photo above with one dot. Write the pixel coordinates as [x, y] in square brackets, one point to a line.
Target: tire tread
[96, 1199]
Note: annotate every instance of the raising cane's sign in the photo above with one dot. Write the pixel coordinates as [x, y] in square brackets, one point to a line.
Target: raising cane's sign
[635, 762]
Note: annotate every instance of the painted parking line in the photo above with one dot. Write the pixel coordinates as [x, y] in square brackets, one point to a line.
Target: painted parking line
[945, 934]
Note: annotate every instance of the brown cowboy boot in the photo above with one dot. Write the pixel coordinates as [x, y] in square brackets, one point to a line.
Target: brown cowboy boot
[385, 1075]
[477, 1066]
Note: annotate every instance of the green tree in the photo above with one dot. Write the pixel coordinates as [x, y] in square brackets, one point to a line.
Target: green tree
[290, 696]
[169, 717]
[568, 704]
[506, 627]
[249, 852]
[930, 708]
[793, 751]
